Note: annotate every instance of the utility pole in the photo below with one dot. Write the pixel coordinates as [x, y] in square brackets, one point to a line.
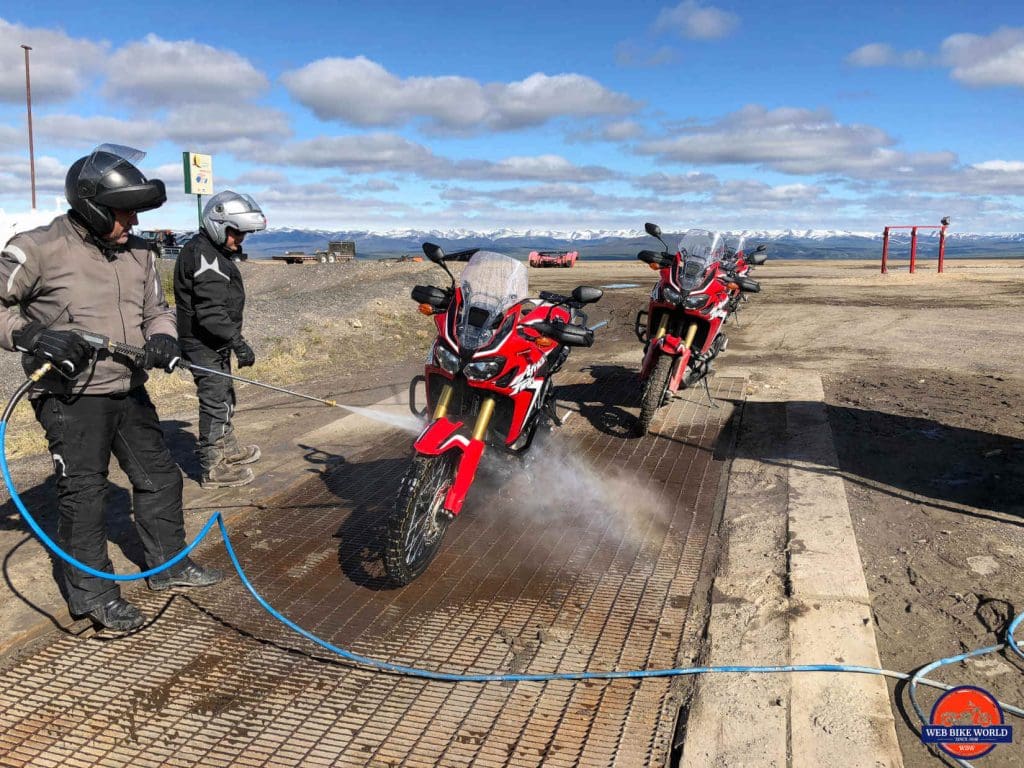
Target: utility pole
[31, 146]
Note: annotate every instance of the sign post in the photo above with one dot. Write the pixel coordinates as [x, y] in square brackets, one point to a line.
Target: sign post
[198, 178]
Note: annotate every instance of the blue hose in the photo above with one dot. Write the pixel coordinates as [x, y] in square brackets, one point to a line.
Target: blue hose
[915, 679]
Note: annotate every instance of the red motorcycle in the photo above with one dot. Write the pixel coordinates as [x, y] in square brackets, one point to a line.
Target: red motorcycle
[736, 266]
[742, 259]
[488, 382]
[681, 330]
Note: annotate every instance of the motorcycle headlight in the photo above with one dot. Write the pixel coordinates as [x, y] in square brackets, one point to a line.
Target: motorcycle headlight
[671, 294]
[447, 359]
[696, 301]
[485, 369]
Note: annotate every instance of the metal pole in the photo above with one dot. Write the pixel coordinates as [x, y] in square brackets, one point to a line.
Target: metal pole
[199, 209]
[31, 146]
[942, 247]
[885, 250]
[913, 248]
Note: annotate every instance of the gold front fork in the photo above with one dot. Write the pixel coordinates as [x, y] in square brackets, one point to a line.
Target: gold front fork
[662, 326]
[691, 334]
[483, 418]
[443, 401]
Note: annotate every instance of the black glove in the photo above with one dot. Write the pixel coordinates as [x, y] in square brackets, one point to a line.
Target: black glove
[243, 353]
[162, 351]
[66, 349]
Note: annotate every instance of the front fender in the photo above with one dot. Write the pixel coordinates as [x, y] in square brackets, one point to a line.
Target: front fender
[666, 345]
[441, 436]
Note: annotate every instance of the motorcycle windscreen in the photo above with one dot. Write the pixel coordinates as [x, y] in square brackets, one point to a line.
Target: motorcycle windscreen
[699, 249]
[491, 283]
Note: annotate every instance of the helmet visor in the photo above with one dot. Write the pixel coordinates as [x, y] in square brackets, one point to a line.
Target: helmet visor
[105, 158]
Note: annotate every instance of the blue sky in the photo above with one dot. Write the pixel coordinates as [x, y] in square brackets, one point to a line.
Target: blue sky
[537, 115]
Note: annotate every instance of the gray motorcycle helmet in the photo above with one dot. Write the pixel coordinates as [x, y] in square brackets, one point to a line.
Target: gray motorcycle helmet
[231, 209]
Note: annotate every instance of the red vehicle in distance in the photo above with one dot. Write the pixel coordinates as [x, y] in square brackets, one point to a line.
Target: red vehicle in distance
[553, 258]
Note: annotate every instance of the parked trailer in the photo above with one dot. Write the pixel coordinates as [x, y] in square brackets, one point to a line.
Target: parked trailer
[553, 258]
[337, 250]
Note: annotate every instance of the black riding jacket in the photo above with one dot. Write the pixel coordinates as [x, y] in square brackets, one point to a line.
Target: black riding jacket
[209, 293]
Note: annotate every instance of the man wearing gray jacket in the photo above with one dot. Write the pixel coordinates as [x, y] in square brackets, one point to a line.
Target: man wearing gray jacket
[86, 271]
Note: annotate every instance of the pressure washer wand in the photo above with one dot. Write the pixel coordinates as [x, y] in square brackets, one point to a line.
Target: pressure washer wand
[193, 367]
[137, 355]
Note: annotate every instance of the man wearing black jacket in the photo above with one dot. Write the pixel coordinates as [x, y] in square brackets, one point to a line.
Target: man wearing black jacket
[210, 301]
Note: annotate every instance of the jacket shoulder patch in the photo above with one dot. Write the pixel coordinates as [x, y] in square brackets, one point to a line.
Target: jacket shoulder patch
[209, 266]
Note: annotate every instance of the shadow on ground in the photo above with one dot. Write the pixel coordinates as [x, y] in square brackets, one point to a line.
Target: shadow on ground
[917, 457]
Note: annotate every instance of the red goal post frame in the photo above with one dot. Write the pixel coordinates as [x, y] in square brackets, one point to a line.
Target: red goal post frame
[913, 244]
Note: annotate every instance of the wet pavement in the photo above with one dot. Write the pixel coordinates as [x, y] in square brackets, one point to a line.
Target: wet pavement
[583, 557]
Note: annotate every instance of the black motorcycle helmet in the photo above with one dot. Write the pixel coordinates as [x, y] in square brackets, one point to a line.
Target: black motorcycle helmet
[107, 180]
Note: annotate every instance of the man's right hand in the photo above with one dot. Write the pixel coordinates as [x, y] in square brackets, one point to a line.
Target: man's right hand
[243, 353]
[66, 349]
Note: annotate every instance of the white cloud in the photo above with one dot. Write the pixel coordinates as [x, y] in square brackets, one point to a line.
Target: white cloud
[15, 177]
[694, 21]
[666, 184]
[884, 55]
[166, 73]
[390, 153]
[1002, 166]
[200, 126]
[259, 177]
[87, 132]
[758, 196]
[364, 153]
[791, 140]
[535, 168]
[61, 65]
[12, 138]
[361, 92]
[993, 60]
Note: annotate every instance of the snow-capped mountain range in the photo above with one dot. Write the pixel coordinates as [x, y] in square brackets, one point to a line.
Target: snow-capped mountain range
[624, 243]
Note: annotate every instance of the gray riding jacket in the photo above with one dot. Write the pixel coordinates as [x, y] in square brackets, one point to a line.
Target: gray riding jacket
[60, 276]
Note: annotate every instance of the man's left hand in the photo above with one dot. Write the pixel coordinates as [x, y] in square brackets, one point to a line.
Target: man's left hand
[162, 351]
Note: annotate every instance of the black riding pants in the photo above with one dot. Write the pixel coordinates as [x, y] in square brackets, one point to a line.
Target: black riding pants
[216, 393]
[82, 433]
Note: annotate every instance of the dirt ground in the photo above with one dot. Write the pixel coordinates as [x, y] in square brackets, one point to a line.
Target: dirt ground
[923, 379]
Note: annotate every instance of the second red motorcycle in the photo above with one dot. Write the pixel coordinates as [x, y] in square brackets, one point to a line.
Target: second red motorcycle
[681, 330]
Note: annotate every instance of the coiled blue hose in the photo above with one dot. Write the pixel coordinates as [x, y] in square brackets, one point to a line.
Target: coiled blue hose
[916, 679]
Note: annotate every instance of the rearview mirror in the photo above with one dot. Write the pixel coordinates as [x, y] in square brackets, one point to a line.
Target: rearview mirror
[653, 230]
[585, 294]
[433, 252]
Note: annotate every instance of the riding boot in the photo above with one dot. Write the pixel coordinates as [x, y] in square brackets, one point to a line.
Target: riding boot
[217, 473]
[235, 453]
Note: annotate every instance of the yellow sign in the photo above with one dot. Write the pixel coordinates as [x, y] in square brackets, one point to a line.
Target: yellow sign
[198, 173]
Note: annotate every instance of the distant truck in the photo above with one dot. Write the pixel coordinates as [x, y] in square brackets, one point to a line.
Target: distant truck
[553, 258]
[337, 250]
[163, 242]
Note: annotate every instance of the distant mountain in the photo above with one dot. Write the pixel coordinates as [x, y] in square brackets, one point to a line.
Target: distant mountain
[624, 244]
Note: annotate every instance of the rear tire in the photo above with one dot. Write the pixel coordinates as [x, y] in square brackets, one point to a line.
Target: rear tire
[418, 522]
[653, 394]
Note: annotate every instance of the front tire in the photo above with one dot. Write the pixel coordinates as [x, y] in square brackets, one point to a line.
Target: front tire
[653, 394]
[419, 521]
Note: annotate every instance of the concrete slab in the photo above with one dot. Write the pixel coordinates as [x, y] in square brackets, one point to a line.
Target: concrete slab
[790, 589]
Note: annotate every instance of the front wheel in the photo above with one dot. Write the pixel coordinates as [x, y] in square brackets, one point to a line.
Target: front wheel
[419, 521]
[653, 394]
